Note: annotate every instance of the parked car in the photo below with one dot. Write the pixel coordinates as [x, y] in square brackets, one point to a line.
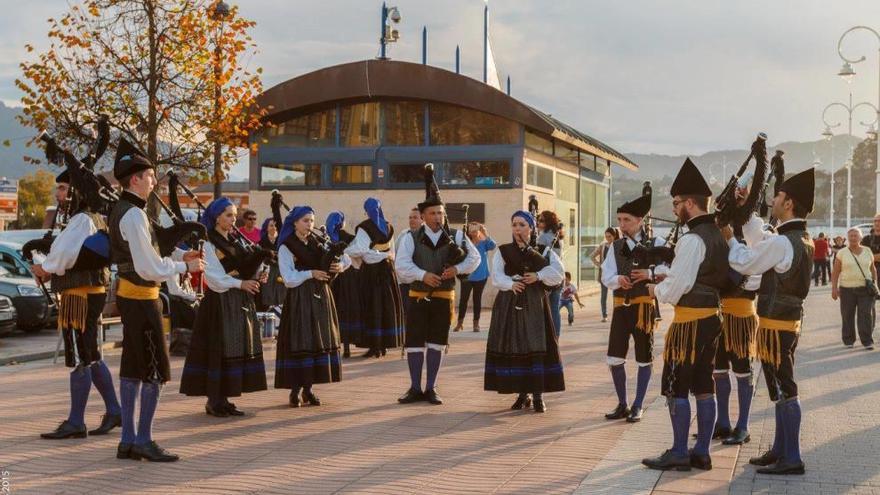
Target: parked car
[8, 316]
[35, 311]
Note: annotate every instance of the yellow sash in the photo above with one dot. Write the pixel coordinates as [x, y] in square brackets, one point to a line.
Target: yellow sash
[681, 338]
[645, 306]
[738, 306]
[440, 294]
[768, 342]
[129, 290]
[74, 307]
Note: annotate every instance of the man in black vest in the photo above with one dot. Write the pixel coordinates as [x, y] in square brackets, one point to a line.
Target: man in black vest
[786, 261]
[424, 258]
[141, 270]
[634, 310]
[697, 274]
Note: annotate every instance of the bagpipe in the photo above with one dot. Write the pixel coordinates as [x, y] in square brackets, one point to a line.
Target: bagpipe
[332, 252]
[777, 172]
[456, 253]
[727, 209]
[532, 259]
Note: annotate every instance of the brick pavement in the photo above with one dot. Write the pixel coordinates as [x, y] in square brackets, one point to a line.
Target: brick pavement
[362, 441]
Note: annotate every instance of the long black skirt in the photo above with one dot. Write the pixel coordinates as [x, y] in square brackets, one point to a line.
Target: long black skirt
[225, 358]
[272, 292]
[346, 289]
[144, 351]
[382, 307]
[308, 338]
[522, 353]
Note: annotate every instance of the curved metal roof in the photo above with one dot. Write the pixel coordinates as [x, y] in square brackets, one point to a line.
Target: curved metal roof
[378, 79]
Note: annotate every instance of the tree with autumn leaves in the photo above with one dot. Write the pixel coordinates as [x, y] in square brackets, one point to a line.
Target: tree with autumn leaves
[154, 67]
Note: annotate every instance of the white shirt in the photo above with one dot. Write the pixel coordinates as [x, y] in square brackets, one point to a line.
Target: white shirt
[294, 277]
[689, 253]
[763, 251]
[407, 269]
[360, 247]
[609, 266]
[551, 274]
[148, 264]
[66, 246]
[175, 289]
[216, 277]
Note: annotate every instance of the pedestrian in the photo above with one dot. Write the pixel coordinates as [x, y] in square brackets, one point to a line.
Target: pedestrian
[872, 240]
[347, 288]
[821, 261]
[476, 281]
[551, 234]
[598, 257]
[271, 292]
[415, 223]
[249, 228]
[837, 246]
[569, 296]
[853, 281]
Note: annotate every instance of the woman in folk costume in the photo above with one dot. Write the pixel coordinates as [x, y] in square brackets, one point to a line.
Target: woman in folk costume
[522, 353]
[272, 292]
[225, 358]
[308, 336]
[381, 303]
[346, 287]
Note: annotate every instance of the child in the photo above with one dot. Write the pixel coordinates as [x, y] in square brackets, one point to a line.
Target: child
[569, 295]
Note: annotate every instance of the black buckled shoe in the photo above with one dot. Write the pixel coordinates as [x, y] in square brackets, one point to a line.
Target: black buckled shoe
[232, 410]
[295, 401]
[432, 397]
[123, 451]
[783, 467]
[152, 452]
[765, 459]
[218, 412]
[411, 396]
[538, 405]
[619, 412]
[66, 430]
[635, 415]
[524, 400]
[669, 460]
[108, 422]
[310, 398]
[700, 461]
[737, 437]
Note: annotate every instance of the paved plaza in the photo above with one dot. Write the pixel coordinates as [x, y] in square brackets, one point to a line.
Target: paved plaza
[361, 441]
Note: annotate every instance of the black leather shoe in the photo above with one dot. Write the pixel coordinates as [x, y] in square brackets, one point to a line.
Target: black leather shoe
[411, 396]
[718, 432]
[232, 410]
[539, 405]
[216, 412]
[765, 459]
[668, 460]
[635, 415]
[66, 430]
[310, 398]
[737, 437]
[432, 397]
[371, 353]
[152, 452]
[108, 422]
[619, 412]
[524, 400]
[123, 451]
[295, 401]
[700, 461]
[783, 467]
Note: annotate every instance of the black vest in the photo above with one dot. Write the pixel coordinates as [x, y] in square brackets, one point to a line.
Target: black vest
[517, 262]
[230, 254]
[120, 252]
[307, 256]
[781, 295]
[736, 281]
[625, 266]
[378, 240]
[431, 258]
[712, 275]
[83, 277]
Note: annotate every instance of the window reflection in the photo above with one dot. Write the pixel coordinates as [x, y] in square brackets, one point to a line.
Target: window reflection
[565, 152]
[452, 125]
[313, 130]
[539, 176]
[359, 125]
[352, 174]
[451, 174]
[539, 143]
[404, 123]
[291, 174]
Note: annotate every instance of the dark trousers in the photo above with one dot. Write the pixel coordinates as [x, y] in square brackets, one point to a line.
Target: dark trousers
[404, 297]
[857, 310]
[603, 301]
[822, 267]
[780, 379]
[468, 288]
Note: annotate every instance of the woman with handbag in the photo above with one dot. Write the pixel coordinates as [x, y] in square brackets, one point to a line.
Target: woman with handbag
[853, 280]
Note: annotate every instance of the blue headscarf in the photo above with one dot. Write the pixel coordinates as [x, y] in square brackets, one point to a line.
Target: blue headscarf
[334, 224]
[528, 217]
[374, 210]
[264, 230]
[288, 229]
[214, 210]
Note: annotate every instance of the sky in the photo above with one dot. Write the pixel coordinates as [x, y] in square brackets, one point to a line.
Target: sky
[644, 76]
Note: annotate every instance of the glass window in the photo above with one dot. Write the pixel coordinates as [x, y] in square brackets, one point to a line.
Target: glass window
[313, 130]
[566, 187]
[602, 166]
[539, 176]
[352, 174]
[291, 175]
[539, 143]
[588, 161]
[593, 222]
[452, 125]
[359, 125]
[404, 123]
[565, 152]
[451, 174]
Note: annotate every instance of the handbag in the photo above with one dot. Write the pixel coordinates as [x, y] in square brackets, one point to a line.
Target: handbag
[869, 283]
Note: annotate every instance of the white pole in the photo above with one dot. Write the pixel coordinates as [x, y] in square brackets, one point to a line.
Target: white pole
[831, 213]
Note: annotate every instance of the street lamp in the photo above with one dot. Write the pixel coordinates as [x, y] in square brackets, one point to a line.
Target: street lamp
[218, 13]
[829, 136]
[847, 73]
[388, 34]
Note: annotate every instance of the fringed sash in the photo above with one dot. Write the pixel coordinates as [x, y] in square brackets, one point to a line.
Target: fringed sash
[739, 324]
[769, 347]
[645, 306]
[74, 308]
[681, 338]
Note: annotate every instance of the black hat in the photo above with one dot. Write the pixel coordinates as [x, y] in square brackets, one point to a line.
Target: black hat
[689, 182]
[638, 207]
[432, 192]
[63, 177]
[129, 160]
[800, 187]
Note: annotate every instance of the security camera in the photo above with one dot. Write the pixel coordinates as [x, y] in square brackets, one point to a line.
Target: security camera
[394, 14]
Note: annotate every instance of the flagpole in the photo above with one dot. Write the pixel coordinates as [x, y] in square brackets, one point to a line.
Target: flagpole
[486, 43]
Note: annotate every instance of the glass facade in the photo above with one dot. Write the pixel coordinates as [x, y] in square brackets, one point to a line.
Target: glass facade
[404, 123]
[594, 219]
[359, 125]
[539, 143]
[291, 175]
[351, 174]
[459, 173]
[539, 176]
[313, 130]
[458, 126]
[565, 152]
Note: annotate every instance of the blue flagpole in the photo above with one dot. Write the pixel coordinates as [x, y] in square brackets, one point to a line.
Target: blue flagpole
[457, 60]
[425, 45]
[508, 85]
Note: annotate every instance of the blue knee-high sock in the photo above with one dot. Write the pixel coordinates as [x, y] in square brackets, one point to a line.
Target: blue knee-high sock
[680, 414]
[642, 380]
[618, 375]
[415, 360]
[722, 395]
[433, 360]
[706, 415]
[128, 392]
[149, 403]
[80, 385]
[104, 383]
[744, 392]
[791, 424]
[778, 447]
